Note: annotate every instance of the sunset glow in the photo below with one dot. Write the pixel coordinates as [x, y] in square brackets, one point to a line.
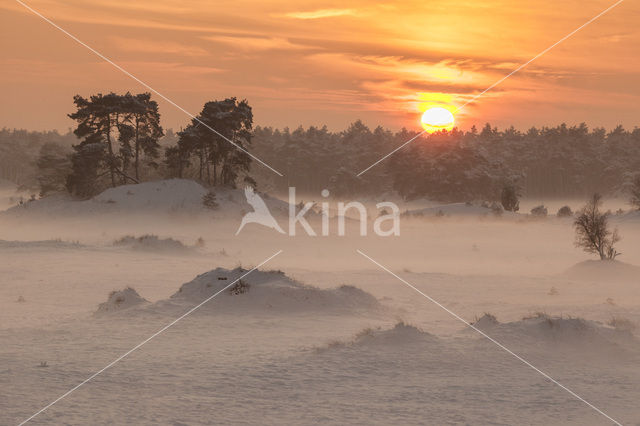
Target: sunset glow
[327, 64]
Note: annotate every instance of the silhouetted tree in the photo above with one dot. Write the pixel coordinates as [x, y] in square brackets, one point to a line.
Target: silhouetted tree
[509, 198]
[132, 121]
[176, 160]
[53, 165]
[592, 230]
[218, 161]
[139, 131]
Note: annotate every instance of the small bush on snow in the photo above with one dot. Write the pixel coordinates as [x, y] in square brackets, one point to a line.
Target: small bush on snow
[539, 211]
[240, 287]
[565, 211]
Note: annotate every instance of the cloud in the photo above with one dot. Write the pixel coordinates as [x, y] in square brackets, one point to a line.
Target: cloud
[168, 68]
[255, 43]
[320, 14]
[157, 46]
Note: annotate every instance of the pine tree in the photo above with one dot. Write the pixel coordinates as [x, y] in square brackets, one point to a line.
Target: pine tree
[132, 121]
[53, 164]
[219, 162]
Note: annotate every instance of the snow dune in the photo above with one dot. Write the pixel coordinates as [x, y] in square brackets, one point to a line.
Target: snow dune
[258, 291]
[170, 196]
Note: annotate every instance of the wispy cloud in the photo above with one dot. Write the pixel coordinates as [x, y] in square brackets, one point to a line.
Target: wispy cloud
[320, 13]
[157, 46]
[255, 43]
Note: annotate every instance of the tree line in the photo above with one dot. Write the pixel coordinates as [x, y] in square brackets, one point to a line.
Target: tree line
[454, 166]
[118, 139]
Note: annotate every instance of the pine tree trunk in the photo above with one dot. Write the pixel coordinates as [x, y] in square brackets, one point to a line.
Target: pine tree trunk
[201, 164]
[110, 149]
[137, 150]
[208, 171]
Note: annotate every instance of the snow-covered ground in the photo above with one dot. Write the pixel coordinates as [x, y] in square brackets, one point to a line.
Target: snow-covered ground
[319, 334]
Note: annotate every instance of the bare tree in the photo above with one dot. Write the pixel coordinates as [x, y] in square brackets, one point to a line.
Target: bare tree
[592, 230]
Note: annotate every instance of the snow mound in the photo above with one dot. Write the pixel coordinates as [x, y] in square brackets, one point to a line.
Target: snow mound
[152, 243]
[400, 334]
[233, 203]
[567, 331]
[270, 291]
[604, 271]
[121, 300]
[165, 196]
[486, 321]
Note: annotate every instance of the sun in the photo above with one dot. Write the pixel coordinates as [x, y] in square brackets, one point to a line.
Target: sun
[437, 118]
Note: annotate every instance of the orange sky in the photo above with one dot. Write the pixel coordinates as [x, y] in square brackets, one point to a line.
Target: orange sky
[327, 62]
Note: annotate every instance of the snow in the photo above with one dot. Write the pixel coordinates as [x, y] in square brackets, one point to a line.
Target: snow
[271, 291]
[121, 300]
[172, 196]
[632, 216]
[165, 195]
[605, 271]
[319, 334]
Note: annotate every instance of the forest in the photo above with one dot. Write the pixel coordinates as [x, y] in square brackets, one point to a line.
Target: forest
[119, 140]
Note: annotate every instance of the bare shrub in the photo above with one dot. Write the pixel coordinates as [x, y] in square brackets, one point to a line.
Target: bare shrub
[240, 287]
[367, 332]
[592, 230]
[486, 318]
[536, 315]
[209, 200]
